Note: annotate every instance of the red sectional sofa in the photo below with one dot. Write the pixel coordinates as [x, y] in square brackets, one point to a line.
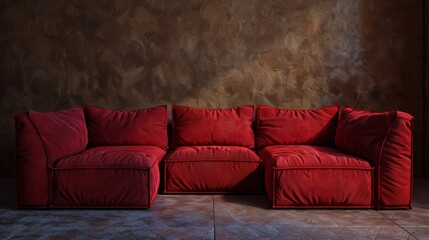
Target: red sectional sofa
[94, 157]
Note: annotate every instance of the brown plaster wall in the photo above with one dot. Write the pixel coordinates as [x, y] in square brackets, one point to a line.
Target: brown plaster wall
[297, 54]
[426, 88]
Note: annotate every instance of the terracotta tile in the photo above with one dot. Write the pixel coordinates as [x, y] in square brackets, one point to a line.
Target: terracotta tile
[357, 232]
[418, 232]
[417, 217]
[393, 233]
[90, 233]
[243, 231]
[374, 232]
[235, 217]
[228, 216]
[359, 218]
[38, 232]
[189, 232]
[302, 218]
[8, 231]
[185, 201]
[136, 233]
[306, 233]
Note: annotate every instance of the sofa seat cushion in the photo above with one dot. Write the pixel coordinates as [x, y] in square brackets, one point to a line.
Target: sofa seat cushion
[316, 177]
[114, 157]
[114, 176]
[302, 156]
[213, 169]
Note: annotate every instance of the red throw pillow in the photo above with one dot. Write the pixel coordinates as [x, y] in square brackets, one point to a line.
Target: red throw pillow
[127, 127]
[276, 126]
[362, 133]
[63, 133]
[196, 127]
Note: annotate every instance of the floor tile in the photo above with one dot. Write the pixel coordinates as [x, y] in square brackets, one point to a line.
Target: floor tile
[41, 232]
[8, 231]
[137, 233]
[417, 217]
[243, 231]
[394, 233]
[359, 218]
[213, 216]
[190, 232]
[173, 213]
[418, 232]
[301, 218]
[307, 233]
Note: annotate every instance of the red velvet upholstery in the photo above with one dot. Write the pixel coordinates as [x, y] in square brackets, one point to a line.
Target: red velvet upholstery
[114, 157]
[311, 159]
[384, 139]
[318, 177]
[112, 176]
[212, 169]
[199, 127]
[276, 126]
[31, 165]
[63, 133]
[43, 138]
[127, 127]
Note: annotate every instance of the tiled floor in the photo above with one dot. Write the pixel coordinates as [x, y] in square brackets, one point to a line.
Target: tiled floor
[214, 217]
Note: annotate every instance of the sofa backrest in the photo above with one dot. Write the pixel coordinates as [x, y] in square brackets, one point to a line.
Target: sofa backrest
[146, 126]
[364, 133]
[277, 126]
[196, 127]
[63, 133]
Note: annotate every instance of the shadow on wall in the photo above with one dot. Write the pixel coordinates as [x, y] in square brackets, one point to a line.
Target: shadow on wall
[133, 54]
[391, 56]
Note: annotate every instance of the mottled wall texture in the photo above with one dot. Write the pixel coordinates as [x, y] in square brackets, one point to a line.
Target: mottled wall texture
[297, 54]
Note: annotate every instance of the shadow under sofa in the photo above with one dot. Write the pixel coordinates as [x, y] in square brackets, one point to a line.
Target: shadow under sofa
[319, 158]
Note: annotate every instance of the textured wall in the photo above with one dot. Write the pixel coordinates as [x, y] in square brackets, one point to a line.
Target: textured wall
[426, 88]
[129, 53]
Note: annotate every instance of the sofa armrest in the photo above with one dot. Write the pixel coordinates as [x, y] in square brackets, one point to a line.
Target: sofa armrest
[31, 165]
[395, 168]
[385, 140]
[42, 139]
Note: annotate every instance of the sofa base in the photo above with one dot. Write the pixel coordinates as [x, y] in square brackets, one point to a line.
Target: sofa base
[321, 188]
[104, 188]
[213, 170]
[304, 176]
[207, 178]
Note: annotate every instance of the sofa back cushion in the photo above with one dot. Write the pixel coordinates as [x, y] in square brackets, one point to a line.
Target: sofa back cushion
[196, 127]
[127, 127]
[277, 126]
[363, 133]
[63, 133]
